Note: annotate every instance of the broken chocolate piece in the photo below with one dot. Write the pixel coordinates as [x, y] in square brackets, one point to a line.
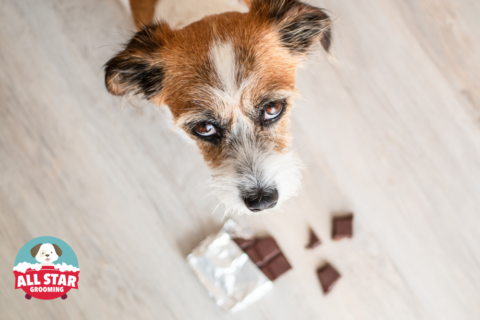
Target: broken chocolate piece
[243, 243]
[342, 227]
[314, 241]
[328, 276]
[266, 254]
[267, 248]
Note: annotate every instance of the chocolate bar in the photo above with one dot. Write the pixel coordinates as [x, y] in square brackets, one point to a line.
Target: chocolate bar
[266, 254]
[328, 277]
[342, 227]
[314, 241]
[231, 279]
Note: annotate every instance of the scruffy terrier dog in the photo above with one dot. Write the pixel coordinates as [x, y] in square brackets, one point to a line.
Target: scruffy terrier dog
[229, 81]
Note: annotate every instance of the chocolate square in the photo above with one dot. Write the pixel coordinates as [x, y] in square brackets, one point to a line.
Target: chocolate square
[278, 266]
[342, 227]
[313, 241]
[267, 248]
[266, 254]
[328, 277]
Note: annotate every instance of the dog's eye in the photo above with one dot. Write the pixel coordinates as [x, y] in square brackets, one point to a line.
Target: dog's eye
[205, 129]
[272, 112]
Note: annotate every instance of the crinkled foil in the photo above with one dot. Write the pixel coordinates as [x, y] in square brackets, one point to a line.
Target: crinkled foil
[228, 274]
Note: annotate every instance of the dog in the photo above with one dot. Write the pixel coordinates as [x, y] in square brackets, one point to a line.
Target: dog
[46, 253]
[229, 82]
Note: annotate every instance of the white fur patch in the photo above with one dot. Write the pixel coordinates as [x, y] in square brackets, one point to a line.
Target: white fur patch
[222, 56]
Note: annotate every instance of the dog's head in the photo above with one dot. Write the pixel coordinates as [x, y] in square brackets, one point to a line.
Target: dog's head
[46, 253]
[229, 81]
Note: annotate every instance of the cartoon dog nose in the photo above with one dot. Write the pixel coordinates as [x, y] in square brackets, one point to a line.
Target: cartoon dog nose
[262, 200]
[47, 255]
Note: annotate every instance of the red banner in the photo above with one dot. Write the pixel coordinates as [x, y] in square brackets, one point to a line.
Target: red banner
[46, 283]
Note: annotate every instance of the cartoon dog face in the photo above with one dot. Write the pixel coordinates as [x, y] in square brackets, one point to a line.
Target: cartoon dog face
[46, 253]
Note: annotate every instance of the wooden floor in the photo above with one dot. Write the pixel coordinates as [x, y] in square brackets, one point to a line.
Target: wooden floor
[392, 132]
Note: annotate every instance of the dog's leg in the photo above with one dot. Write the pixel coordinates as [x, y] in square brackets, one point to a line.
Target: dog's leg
[143, 11]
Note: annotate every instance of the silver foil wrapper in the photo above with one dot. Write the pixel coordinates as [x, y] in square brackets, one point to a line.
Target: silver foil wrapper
[228, 274]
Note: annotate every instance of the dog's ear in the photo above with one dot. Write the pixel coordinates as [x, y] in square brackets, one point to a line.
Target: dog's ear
[300, 25]
[138, 69]
[35, 249]
[57, 250]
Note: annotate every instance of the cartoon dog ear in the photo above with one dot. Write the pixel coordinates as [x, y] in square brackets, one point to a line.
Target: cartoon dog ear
[138, 69]
[300, 25]
[35, 249]
[57, 250]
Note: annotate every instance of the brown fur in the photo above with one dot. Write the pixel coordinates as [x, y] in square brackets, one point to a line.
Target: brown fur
[268, 43]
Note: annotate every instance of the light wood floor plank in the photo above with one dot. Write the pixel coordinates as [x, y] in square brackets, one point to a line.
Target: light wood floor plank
[390, 132]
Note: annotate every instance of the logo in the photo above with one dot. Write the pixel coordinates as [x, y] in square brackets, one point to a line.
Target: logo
[46, 268]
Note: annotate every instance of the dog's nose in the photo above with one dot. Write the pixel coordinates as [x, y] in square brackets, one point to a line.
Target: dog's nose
[262, 200]
[47, 255]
